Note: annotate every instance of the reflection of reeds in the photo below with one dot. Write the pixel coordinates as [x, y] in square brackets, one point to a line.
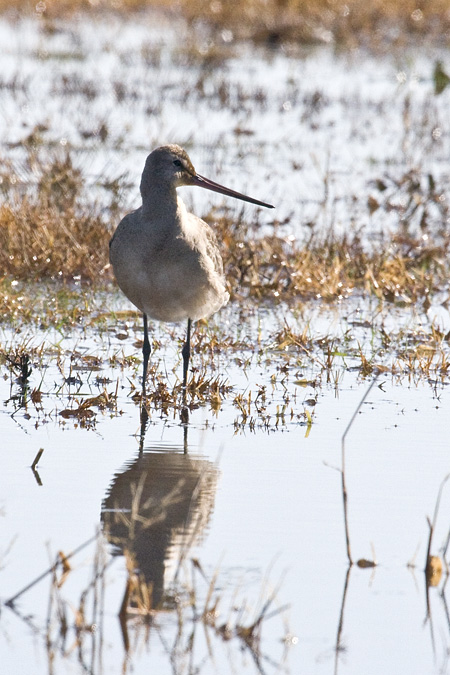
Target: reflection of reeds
[74, 628]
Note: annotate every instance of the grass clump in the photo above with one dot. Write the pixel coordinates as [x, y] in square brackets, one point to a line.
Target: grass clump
[402, 268]
[51, 231]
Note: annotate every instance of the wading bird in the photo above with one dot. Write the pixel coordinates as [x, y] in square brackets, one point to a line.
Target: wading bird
[166, 260]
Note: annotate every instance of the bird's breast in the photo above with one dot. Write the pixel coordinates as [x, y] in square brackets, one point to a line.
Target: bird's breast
[168, 274]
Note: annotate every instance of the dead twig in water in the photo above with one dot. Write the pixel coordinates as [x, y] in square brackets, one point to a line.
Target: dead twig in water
[342, 470]
[433, 564]
[34, 465]
[37, 458]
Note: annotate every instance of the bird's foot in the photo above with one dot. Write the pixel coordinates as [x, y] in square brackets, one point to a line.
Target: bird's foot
[184, 415]
[144, 411]
[144, 420]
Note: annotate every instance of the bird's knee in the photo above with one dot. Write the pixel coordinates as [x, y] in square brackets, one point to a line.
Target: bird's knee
[146, 349]
[186, 351]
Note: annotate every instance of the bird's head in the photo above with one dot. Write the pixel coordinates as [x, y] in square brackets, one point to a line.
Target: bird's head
[171, 165]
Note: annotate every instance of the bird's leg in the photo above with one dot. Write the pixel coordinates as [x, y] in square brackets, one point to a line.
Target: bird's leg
[146, 353]
[186, 352]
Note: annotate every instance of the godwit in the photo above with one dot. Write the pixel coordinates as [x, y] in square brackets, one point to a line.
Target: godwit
[166, 260]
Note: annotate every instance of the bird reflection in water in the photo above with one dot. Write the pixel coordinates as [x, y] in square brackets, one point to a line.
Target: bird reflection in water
[157, 507]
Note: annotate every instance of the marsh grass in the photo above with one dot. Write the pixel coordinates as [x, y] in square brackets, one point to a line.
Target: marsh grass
[51, 232]
[54, 239]
[297, 360]
[51, 229]
[346, 22]
[273, 384]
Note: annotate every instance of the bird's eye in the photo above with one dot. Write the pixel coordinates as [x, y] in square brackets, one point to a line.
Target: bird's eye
[177, 162]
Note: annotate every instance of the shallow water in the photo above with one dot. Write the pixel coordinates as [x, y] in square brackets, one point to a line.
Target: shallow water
[261, 501]
[255, 503]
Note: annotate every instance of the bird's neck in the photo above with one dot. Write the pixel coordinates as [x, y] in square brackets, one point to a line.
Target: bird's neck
[159, 201]
[163, 211]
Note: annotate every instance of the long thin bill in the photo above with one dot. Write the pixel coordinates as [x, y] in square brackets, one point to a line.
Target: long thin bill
[200, 181]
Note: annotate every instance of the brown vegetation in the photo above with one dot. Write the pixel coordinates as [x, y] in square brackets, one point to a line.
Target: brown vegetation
[51, 230]
[48, 232]
[275, 21]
